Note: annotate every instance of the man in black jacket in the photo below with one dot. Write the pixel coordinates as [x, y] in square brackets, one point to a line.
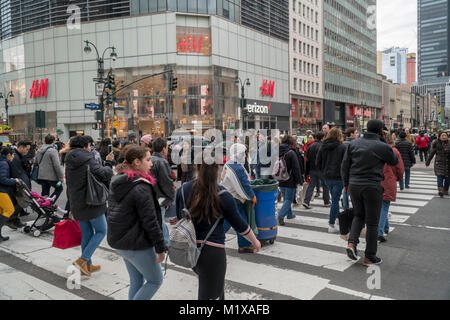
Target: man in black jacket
[315, 176]
[362, 172]
[407, 152]
[164, 187]
[21, 169]
[289, 187]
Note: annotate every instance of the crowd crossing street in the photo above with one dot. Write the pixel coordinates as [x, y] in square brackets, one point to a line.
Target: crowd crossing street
[305, 262]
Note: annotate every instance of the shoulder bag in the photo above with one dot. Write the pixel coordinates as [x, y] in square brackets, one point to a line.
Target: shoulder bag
[96, 191]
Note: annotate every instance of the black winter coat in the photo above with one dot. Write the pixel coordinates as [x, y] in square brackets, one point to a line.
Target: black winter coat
[293, 167]
[329, 159]
[407, 152]
[442, 163]
[134, 221]
[311, 154]
[77, 161]
[20, 168]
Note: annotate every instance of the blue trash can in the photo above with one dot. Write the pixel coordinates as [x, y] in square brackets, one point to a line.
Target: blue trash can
[266, 191]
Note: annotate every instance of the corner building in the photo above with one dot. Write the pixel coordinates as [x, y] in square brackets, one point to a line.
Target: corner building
[204, 42]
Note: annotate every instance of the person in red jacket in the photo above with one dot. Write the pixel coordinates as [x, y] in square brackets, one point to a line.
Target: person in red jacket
[422, 142]
[391, 176]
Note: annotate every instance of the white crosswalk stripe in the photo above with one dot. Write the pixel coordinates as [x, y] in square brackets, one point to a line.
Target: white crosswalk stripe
[281, 270]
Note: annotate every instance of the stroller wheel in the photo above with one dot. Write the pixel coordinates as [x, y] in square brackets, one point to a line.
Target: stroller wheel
[37, 233]
[27, 229]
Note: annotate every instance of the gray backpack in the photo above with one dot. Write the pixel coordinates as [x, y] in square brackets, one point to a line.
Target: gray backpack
[183, 249]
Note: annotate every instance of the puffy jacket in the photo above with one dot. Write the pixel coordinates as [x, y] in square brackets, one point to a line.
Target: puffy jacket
[6, 183]
[407, 152]
[19, 168]
[442, 163]
[164, 187]
[329, 159]
[293, 167]
[77, 161]
[422, 142]
[311, 155]
[50, 168]
[237, 182]
[364, 160]
[391, 176]
[134, 217]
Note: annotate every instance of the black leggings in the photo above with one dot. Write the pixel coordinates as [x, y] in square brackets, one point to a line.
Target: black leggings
[211, 268]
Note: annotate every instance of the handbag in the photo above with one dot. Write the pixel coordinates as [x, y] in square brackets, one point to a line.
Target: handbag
[67, 234]
[35, 171]
[96, 191]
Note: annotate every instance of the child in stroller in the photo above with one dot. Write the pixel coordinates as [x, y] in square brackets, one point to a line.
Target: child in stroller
[43, 206]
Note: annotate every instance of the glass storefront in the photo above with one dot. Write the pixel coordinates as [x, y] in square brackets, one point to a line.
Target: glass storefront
[206, 96]
[306, 115]
[24, 126]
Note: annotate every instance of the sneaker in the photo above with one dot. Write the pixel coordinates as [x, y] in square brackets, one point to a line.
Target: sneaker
[245, 250]
[317, 195]
[382, 239]
[307, 206]
[401, 189]
[2, 238]
[372, 261]
[332, 229]
[407, 187]
[386, 231]
[15, 224]
[352, 252]
[327, 205]
[281, 221]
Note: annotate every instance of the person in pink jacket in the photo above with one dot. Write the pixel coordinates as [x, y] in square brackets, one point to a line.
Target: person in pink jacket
[391, 176]
[422, 142]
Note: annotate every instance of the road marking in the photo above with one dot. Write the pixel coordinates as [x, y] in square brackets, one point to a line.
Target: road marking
[404, 210]
[17, 285]
[414, 196]
[422, 226]
[410, 203]
[355, 293]
[419, 191]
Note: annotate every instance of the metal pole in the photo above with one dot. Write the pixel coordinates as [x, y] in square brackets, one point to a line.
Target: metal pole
[101, 72]
[242, 105]
[7, 115]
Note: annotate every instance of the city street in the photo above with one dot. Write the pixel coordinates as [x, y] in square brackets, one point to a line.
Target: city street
[305, 262]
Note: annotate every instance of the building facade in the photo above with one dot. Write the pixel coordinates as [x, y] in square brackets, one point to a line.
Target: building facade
[207, 53]
[394, 64]
[397, 108]
[350, 62]
[306, 64]
[411, 68]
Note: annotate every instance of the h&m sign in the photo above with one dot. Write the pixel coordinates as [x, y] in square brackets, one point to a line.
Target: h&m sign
[39, 89]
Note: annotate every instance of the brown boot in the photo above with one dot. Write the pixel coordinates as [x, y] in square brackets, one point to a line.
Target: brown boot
[441, 191]
[82, 265]
[93, 268]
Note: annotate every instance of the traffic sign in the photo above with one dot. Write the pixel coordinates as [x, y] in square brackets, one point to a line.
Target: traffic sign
[92, 106]
[99, 88]
[116, 124]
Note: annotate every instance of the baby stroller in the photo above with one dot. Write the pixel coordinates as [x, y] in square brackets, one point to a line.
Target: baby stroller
[45, 210]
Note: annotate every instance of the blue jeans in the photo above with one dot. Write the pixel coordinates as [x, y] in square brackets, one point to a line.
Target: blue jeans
[335, 187]
[443, 182]
[383, 225]
[93, 231]
[164, 227]
[242, 242]
[288, 197]
[141, 265]
[407, 177]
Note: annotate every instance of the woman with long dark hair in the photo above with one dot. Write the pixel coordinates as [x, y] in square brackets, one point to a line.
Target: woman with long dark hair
[441, 149]
[102, 148]
[206, 206]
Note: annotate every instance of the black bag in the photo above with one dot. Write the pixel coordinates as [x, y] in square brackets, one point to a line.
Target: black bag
[96, 192]
[345, 221]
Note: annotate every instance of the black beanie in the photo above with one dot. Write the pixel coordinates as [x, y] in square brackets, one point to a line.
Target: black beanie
[375, 126]
[402, 135]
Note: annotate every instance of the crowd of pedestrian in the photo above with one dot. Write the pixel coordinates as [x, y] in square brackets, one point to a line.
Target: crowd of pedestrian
[349, 170]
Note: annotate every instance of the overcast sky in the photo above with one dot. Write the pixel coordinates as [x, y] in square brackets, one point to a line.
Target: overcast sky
[397, 24]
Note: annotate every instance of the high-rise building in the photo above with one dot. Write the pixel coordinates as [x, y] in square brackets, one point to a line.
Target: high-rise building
[411, 68]
[306, 64]
[352, 91]
[394, 64]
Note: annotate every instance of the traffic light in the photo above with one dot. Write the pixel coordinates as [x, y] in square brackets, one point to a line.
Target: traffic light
[111, 82]
[173, 85]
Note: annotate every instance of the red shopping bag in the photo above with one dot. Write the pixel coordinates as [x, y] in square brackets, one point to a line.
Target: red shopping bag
[67, 234]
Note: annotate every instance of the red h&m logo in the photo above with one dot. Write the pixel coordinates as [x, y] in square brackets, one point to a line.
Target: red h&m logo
[39, 89]
[267, 89]
[190, 44]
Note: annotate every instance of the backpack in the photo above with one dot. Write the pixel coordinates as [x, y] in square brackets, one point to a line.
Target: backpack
[183, 249]
[280, 172]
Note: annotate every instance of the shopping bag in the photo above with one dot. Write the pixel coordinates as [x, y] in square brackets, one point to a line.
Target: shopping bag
[345, 221]
[67, 234]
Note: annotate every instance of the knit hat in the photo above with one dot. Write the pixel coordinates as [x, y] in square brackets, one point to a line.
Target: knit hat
[237, 153]
[375, 126]
[147, 139]
[402, 135]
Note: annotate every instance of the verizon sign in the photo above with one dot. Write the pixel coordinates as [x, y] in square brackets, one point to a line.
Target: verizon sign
[255, 108]
[39, 89]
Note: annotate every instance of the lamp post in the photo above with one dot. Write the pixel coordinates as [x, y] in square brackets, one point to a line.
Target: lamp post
[243, 84]
[363, 106]
[9, 95]
[100, 73]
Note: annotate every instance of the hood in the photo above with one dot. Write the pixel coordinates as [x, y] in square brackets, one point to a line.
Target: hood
[284, 148]
[44, 147]
[122, 184]
[77, 158]
[330, 145]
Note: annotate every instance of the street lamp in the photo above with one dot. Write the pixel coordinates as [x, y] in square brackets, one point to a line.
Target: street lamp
[100, 73]
[9, 95]
[243, 84]
[363, 105]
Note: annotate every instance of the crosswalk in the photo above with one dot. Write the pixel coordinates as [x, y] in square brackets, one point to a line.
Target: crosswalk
[304, 261]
